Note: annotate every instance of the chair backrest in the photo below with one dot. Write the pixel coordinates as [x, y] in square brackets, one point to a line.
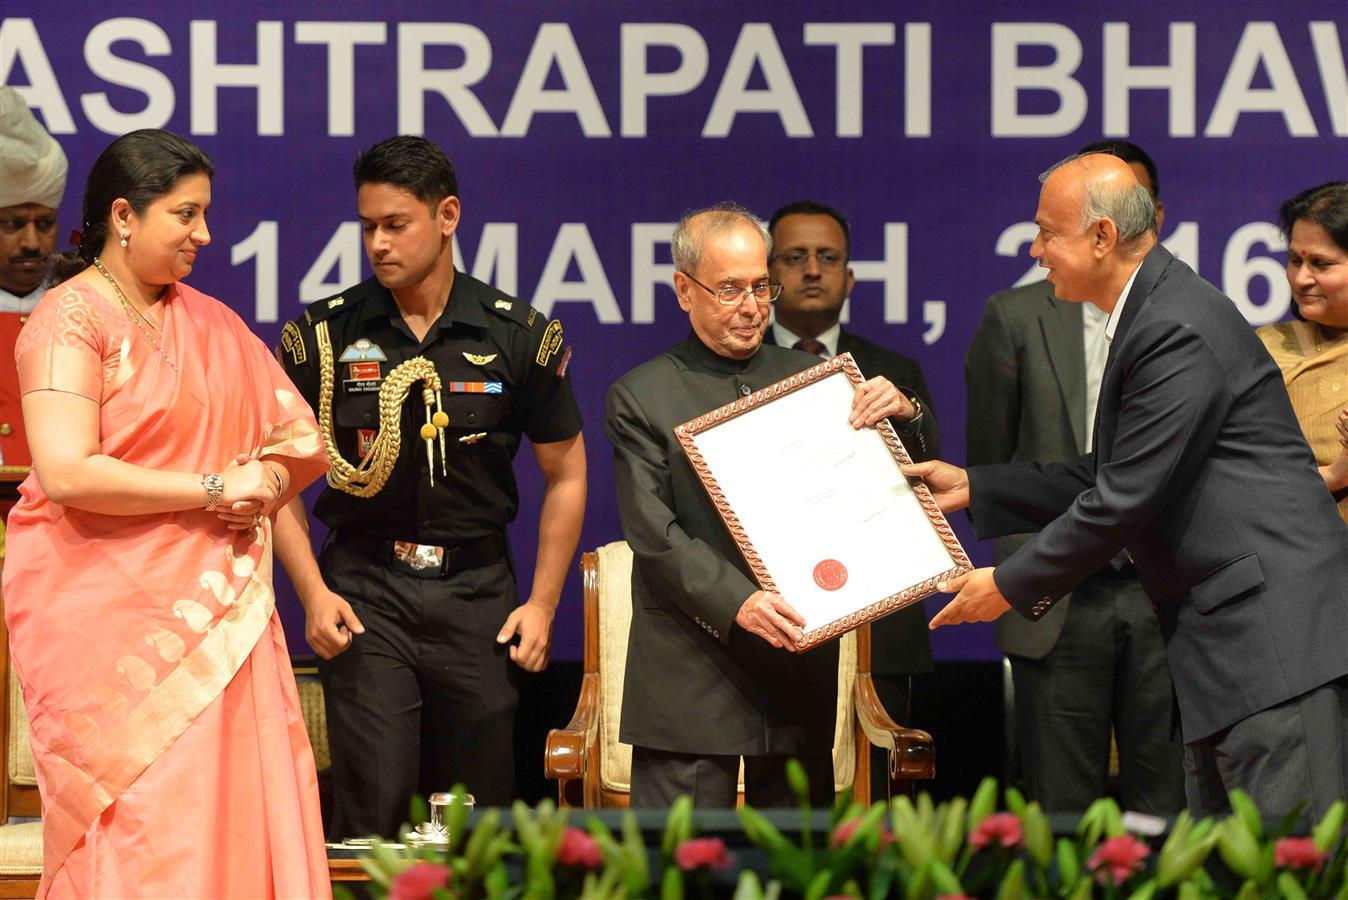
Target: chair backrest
[606, 654]
[20, 795]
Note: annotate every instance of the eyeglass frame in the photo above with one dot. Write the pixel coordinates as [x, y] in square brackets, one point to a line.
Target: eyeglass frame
[830, 266]
[752, 291]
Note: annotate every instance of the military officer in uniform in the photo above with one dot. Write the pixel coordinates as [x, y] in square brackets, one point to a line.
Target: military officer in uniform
[423, 380]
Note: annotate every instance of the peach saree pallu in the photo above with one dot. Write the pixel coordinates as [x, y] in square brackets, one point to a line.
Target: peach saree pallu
[171, 752]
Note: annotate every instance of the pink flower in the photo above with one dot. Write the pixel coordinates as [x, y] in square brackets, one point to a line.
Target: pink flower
[1297, 853]
[1117, 859]
[843, 833]
[1002, 829]
[698, 853]
[579, 849]
[418, 881]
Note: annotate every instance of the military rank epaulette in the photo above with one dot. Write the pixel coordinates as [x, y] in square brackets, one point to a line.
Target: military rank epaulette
[511, 308]
[326, 308]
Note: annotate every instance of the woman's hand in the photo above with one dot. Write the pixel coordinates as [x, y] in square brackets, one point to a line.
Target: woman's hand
[1336, 473]
[252, 488]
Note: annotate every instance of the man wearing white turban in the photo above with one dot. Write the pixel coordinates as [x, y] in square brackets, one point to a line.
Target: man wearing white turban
[32, 180]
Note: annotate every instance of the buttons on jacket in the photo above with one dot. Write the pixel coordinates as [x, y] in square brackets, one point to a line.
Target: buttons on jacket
[745, 390]
[707, 628]
[1042, 606]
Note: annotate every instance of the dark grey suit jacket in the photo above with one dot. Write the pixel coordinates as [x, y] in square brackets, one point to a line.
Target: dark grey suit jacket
[1201, 471]
[696, 682]
[901, 642]
[1025, 378]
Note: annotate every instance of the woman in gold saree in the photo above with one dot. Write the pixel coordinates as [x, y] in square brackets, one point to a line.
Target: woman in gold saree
[171, 754]
[1312, 352]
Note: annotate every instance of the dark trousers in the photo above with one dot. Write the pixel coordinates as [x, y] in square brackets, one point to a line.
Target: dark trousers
[659, 777]
[1295, 752]
[1107, 671]
[425, 698]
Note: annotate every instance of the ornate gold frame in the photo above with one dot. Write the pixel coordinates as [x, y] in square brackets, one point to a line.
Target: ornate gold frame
[688, 431]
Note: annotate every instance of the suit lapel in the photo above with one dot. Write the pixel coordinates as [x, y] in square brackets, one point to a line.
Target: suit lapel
[1060, 324]
[1147, 278]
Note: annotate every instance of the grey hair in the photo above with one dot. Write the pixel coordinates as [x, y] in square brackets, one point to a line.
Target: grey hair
[686, 245]
[1131, 209]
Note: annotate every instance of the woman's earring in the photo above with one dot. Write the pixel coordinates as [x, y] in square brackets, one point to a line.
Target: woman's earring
[124, 234]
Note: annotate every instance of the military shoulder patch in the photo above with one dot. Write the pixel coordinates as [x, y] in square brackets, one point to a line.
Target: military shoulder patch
[552, 342]
[292, 344]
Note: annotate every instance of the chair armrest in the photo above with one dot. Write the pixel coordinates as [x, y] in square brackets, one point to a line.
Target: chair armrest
[567, 751]
[912, 753]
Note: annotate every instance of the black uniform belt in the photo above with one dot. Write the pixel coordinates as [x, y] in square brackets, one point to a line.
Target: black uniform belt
[428, 560]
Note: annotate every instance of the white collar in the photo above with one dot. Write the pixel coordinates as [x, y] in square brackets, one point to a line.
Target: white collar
[1112, 325]
[784, 337]
[12, 303]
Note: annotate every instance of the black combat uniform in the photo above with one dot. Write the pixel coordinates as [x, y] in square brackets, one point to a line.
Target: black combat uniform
[425, 697]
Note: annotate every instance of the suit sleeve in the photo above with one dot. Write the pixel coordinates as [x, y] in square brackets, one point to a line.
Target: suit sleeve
[992, 390]
[1174, 400]
[673, 565]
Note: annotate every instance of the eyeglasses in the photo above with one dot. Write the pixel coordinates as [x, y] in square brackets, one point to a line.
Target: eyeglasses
[829, 260]
[763, 293]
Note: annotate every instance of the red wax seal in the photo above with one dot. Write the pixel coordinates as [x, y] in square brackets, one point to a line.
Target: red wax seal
[830, 574]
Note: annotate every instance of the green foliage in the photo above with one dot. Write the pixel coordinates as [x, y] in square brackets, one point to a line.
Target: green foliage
[916, 850]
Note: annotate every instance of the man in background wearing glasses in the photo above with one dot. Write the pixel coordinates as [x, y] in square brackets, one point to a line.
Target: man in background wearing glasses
[714, 671]
[811, 247]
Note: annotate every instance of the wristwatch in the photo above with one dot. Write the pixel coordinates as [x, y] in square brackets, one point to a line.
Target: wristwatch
[215, 487]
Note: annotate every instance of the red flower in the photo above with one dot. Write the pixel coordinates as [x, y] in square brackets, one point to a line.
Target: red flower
[1297, 853]
[1002, 829]
[698, 853]
[1117, 859]
[579, 849]
[418, 881]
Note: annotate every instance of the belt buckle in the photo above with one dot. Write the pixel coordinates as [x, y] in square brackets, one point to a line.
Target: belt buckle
[419, 557]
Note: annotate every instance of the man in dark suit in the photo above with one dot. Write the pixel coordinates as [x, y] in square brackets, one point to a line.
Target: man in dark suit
[1096, 663]
[811, 246]
[714, 671]
[1200, 471]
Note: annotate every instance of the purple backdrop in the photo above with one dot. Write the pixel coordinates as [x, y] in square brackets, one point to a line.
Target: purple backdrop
[580, 130]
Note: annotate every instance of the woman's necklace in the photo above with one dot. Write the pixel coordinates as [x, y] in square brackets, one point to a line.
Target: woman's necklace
[136, 317]
[1323, 335]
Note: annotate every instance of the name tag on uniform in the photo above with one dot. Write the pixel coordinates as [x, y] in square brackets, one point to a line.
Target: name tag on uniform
[473, 387]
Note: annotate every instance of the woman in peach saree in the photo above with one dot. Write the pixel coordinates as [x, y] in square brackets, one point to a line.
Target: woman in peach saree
[171, 753]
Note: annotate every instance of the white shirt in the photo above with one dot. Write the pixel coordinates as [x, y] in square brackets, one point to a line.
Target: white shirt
[11, 303]
[785, 338]
[1098, 329]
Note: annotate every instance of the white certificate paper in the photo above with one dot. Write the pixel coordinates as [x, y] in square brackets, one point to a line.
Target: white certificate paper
[819, 509]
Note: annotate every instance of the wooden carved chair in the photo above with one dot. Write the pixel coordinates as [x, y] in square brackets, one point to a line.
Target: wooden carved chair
[592, 768]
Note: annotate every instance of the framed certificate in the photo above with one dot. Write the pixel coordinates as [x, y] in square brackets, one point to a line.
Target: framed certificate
[819, 509]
